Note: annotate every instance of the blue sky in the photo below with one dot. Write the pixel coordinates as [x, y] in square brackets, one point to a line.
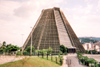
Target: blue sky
[17, 16]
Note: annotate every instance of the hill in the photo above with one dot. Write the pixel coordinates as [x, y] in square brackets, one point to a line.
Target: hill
[89, 39]
[31, 62]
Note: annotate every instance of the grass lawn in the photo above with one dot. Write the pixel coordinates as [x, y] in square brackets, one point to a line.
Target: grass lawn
[32, 62]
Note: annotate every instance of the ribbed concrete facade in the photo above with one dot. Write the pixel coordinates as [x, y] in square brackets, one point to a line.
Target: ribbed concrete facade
[52, 30]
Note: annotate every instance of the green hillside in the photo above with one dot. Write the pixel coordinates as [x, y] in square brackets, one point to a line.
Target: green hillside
[88, 39]
[31, 62]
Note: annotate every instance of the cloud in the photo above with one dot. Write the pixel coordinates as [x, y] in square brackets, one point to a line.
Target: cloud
[16, 0]
[84, 19]
[24, 11]
[32, 6]
[17, 16]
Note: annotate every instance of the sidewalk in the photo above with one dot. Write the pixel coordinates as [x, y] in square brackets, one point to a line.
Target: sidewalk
[73, 61]
[64, 61]
[6, 59]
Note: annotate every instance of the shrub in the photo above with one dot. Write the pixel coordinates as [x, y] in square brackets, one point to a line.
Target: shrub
[85, 60]
[87, 52]
[79, 55]
[94, 51]
[63, 49]
[19, 53]
[61, 59]
[26, 53]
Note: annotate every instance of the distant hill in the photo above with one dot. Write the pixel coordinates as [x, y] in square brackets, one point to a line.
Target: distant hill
[96, 38]
[89, 39]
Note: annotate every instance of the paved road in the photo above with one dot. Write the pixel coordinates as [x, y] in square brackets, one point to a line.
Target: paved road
[72, 61]
[95, 56]
[64, 62]
[6, 59]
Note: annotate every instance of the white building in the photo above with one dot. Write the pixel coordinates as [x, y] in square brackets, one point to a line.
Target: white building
[88, 46]
[0, 44]
[92, 46]
[97, 46]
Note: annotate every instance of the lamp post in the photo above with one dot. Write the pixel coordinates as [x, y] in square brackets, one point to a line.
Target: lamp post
[22, 42]
[31, 44]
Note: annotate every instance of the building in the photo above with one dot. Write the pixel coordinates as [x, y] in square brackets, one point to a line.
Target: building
[0, 44]
[88, 46]
[97, 46]
[52, 30]
[92, 46]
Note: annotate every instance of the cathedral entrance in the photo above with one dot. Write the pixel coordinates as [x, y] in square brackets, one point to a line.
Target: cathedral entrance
[71, 50]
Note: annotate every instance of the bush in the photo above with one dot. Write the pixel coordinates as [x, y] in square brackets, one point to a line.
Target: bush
[19, 53]
[29, 48]
[94, 51]
[54, 54]
[26, 53]
[63, 49]
[91, 60]
[86, 61]
[79, 55]
[61, 60]
[87, 52]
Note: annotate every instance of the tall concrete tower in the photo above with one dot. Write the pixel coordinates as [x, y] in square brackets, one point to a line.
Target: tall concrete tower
[52, 30]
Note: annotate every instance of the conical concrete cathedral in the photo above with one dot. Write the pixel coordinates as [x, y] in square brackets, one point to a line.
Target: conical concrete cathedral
[52, 30]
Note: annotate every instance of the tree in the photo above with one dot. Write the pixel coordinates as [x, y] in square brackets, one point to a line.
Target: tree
[12, 48]
[63, 49]
[38, 52]
[94, 51]
[4, 43]
[3, 47]
[29, 48]
[7, 49]
[49, 50]
[43, 52]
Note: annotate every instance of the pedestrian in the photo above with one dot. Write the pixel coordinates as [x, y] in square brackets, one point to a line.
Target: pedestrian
[79, 61]
[66, 61]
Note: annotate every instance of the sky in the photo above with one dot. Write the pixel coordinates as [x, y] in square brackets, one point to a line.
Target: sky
[17, 16]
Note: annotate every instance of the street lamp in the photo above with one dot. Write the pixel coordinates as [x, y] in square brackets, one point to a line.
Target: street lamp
[22, 42]
[31, 44]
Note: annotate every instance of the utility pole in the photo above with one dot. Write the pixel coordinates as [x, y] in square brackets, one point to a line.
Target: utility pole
[31, 44]
[22, 42]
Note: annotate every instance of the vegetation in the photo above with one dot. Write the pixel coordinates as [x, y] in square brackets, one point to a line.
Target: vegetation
[58, 60]
[49, 50]
[87, 61]
[29, 48]
[32, 62]
[38, 52]
[43, 52]
[3, 47]
[87, 40]
[4, 43]
[12, 48]
[8, 48]
[92, 52]
[19, 53]
[63, 49]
